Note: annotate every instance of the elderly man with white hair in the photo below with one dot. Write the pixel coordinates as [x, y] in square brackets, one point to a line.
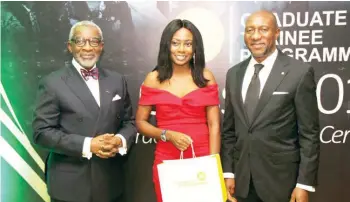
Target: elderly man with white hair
[84, 118]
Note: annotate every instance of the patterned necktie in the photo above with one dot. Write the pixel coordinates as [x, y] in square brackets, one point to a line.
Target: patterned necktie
[253, 92]
[89, 73]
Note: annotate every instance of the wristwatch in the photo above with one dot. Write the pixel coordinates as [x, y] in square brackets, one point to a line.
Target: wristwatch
[162, 136]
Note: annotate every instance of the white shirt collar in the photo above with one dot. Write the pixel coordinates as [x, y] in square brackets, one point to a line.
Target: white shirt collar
[78, 67]
[268, 62]
[263, 75]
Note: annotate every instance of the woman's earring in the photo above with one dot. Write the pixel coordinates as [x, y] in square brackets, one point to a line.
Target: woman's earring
[194, 58]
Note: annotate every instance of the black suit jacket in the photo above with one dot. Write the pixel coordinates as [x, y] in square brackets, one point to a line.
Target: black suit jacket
[66, 113]
[280, 147]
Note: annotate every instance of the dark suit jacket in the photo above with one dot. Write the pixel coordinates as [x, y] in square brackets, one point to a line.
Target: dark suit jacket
[65, 114]
[280, 147]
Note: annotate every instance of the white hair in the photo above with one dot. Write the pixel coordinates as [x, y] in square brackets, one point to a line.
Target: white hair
[84, 23]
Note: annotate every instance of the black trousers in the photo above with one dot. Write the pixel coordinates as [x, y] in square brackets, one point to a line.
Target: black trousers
[120, 199]
[252, 195]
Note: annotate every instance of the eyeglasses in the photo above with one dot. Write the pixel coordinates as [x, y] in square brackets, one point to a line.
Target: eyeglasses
[80, 42]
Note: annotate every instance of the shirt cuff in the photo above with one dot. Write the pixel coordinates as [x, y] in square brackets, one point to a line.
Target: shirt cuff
[301, 186]
[229, 175]
[123, 149]
[86, 148]
[306, 187]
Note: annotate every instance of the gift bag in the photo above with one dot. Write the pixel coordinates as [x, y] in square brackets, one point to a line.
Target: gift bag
[198, 179]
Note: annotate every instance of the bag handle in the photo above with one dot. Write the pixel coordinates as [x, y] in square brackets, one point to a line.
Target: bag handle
[193, 154]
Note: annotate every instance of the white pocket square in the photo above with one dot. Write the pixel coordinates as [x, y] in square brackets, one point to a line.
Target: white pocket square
[280, 93]
[116, 97]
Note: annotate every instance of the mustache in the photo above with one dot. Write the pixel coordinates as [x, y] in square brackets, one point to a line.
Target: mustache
[84, 55]
[257, 43]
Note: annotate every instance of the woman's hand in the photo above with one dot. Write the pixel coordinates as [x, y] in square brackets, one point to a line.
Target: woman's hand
[179, 140]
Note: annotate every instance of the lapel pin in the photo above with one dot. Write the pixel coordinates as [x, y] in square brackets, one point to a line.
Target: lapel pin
[107, 91]
[282, 73]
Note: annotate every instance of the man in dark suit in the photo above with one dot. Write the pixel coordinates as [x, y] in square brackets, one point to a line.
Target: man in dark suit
[83, 110]
[270, 144]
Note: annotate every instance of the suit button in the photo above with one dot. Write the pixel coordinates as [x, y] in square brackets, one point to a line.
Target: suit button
[80, 119]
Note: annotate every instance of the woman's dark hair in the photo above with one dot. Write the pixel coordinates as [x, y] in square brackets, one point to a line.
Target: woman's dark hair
[197, 64]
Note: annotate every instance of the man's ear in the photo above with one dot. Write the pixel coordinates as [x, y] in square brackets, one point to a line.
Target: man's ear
[277, 34]
[69, 46]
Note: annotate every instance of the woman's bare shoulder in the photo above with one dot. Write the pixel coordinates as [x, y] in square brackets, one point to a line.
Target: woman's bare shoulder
[151, 80]
[209, 76]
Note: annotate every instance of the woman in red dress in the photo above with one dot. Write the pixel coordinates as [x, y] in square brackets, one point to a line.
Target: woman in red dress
[186, 98]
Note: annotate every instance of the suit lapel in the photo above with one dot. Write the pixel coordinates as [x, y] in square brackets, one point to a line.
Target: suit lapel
[105, 92]
[277, 74]
[239, 79]
[81, 90]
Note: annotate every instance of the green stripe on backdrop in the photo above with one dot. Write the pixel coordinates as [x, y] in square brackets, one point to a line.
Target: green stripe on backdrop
[14, 187]
[22, 138]
[20, 149]
[10, 155]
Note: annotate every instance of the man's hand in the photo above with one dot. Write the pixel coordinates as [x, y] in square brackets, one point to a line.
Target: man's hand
[230, 187]
[299, 195]
[106, 145]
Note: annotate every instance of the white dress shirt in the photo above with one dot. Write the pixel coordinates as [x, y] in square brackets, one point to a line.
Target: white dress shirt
[94, 88]
[263, 75]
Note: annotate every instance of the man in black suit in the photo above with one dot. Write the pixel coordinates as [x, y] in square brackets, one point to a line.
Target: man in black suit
[270, 143]
[84, 117]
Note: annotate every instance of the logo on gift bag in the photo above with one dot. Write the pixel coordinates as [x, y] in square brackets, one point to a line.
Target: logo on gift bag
[201, 176]
[200, 180]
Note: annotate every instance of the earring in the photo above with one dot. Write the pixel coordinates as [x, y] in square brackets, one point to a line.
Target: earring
[194, 58]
